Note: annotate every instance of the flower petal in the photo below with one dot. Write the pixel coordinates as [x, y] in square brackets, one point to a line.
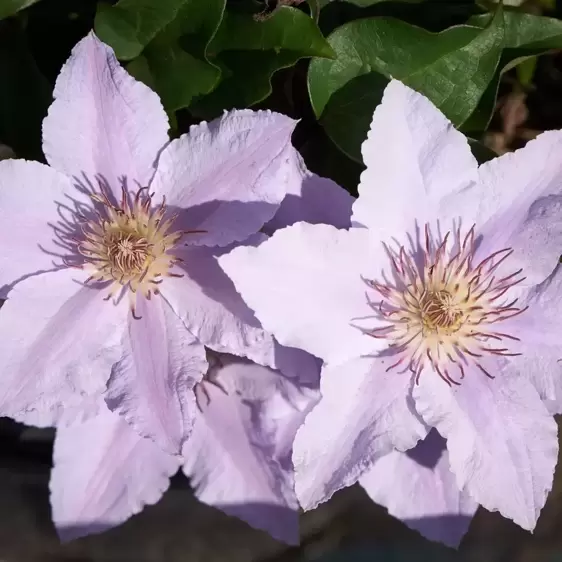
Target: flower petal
[59, 340]
[412, 154]
[312, 199]
[502, 441]
[238, 456]
[305, 285]
[161, 364]
[228, 177]
[103, 473]
[102, 120]
[419, 488]
[363, 414]
[30, 198]
[207, 302]
[517, 203]
[538, 330]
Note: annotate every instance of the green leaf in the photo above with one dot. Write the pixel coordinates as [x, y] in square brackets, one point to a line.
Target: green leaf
[250, 52]
[452, 68]
[526, 36]
[10, 7]
[176, 63]
[527, 31]
[131, 24]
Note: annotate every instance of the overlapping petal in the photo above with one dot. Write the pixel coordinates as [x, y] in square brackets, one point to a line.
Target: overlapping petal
[103, 121]
[59, 340]
[419, 488]
[207, 302]
[104, 472]
[313, 199]
[364, 413]
[414, 157]
[305, 285]
[516, 203]
[238, 456]
[32, 204]
[502, 441]
[228, 177]
[149, 385]
[538, 330]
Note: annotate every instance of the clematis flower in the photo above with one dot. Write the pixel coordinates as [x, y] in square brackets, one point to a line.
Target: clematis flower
[123, 215]
[238, 457]
[440, 308]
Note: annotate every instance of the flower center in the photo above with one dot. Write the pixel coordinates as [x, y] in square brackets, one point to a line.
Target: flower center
[130, 245]
[442, 310]
[439, 312]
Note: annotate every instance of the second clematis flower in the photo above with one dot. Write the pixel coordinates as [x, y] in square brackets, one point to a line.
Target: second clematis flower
[441, 307]
[126, 216]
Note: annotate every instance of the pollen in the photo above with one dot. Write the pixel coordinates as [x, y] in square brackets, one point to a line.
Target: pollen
[444, 310]
[131, 245]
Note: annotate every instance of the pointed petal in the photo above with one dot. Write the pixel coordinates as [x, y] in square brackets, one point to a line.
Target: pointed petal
[102, 120]
[207, 302]
[59, 340]
[363, 414]
[29, 193]
[502, 441]
[516, 204]
[161, 364]
[305, 285]
[419, 488]
[103, 473]
[312, 199]
[228, 177]
[412, 153]
[538, 329]
[238, 456]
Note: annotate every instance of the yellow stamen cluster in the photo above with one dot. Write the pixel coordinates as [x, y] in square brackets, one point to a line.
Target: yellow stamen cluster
[444, 312]
[130, 245]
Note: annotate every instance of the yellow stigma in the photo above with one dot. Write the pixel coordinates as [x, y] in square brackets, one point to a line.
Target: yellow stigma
[130, 245]
[442, 310]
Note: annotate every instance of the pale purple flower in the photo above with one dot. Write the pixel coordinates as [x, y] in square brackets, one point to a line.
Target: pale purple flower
[124, 215]
[441, 307]
[238, 457]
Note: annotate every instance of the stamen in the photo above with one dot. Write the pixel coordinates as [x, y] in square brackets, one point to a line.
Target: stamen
[129, 245]
[428, 314]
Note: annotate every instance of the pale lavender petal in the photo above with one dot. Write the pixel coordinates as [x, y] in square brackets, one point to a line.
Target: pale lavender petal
[207, 302]
[414, 157]
[305, 285]
[517, 203]
[363, 414]
[237, 456]
[59, 341]
[419, 488]
[228, 177]
[538, 330]
[29, 193]
[103, 473]
[312, 199]
[102, 120]
[502, 441]
[161, 363]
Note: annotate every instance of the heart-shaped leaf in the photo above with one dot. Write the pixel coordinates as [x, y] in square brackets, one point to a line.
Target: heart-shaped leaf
[526, 36]
[250, 51]
[452, 68]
